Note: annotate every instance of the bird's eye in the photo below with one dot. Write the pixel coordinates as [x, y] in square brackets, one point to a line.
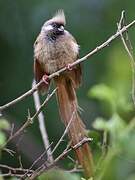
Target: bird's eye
[61, 28]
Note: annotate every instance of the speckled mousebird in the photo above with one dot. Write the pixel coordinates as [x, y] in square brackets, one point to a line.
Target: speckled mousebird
[54, 49]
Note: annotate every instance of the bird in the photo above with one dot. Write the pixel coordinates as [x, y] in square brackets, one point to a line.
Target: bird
[54, 49]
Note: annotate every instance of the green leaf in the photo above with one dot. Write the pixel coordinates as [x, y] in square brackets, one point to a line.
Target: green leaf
[115, 126]
[103, 92]
[95, 144]
[2, 138]
[94, 135]
[1, 178]
[115, 122]
[87, 179]
[13, 178]
[4, 124]
[100, 124]
[57, 175]
[132, 177]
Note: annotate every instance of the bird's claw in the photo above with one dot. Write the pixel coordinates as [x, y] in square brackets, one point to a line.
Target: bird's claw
[45, 79]
[69, 67]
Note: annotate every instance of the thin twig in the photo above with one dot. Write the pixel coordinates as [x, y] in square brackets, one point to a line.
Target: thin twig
[41, 156]
[11, 175]
[12, 129]
[75, 170]
[37, 160]
[31, 119]
[42, 126]
[61, 156]
[56, 146]
[20, 98]
[97, 49]
[20, 161]
[10, 151]
[64, 133]
[104, 143]
[128, 49]
[71, 159]
[15, 169]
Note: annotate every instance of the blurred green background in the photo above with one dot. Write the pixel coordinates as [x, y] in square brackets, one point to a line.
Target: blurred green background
[91, 22]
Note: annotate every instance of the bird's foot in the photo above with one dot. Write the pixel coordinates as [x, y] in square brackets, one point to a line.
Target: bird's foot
[45, 79]
[69, 67]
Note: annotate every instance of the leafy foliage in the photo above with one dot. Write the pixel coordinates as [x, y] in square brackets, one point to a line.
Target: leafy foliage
[118, 162]
[4, 125]
[57, 175]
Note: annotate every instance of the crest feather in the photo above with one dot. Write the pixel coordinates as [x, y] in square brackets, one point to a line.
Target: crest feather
[59, 17]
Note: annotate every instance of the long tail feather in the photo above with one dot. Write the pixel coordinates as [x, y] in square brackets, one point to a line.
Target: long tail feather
[67, 106]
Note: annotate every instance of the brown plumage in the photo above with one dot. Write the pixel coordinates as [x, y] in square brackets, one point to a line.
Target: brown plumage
[54, 49]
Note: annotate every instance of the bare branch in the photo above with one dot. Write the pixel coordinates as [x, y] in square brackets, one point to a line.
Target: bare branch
[11, 175]
[97, 49]
[56, 146]
[31, 119]
[38, 159]
[42, 126]
[75, 170]
[14, 172]
[44, 168]
[10, 151]
[64, 133]
[14, 169]
[20, 98]
[128, 49]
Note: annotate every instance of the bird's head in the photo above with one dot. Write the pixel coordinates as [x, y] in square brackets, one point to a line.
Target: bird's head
[55, 26]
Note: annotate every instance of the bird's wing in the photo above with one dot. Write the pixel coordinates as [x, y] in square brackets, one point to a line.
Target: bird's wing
[77, 71]
[39, 71]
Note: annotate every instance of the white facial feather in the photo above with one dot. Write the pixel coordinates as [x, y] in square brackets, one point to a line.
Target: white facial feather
[48, 27]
